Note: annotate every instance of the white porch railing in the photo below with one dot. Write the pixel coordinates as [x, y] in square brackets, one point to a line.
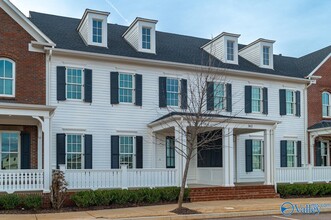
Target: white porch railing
[120, 178]
[303, 174]
[210, 176]
[21, 180]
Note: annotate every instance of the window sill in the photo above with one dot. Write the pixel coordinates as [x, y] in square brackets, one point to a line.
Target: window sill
[7, 97]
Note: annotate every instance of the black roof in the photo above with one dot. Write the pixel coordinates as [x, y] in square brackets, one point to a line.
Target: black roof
[169, 47]
[321, 124]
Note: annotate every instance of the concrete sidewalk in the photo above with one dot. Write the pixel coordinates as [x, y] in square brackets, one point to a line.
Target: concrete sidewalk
[214, 209]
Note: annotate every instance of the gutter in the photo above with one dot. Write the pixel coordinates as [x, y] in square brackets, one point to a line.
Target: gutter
[177, 66]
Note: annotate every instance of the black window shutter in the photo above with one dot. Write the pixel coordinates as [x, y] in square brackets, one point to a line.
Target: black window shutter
[114, 88]
[248, 99]
[115, 152]
[283, 153]
[249, 155]
[299, 154]
[162, 92]
[139, 89]
[298, 103]
[183, 91]
[60, 149]
[88, 151]
[88, 85]
[61, 83]
[210, 96]
[25, 151]
[282, 102]
[139, 152]
[228, 97]
[318, 154]
[265, 100]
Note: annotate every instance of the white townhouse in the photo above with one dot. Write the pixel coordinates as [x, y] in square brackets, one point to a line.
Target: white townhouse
[111, 86]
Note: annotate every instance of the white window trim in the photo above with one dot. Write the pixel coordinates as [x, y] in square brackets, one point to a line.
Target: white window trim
[271, 53]
[262, 154]
[327, 152]
[19, 146]
[261, 100]
[329, 106]
[235, 50]
[141, 25]
[133, 87]
[133, 150]
[293, 103]
[83, 152]
[82, 87]
[14, 79]
[179, 92]
[104, 39]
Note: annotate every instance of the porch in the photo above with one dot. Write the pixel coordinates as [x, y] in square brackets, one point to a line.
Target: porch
[24, 140]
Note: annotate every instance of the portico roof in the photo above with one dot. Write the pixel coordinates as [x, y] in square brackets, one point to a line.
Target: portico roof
[320, 125]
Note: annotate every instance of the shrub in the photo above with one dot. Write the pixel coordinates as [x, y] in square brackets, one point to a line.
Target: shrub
[32, 201]
[315, 189]
[10, 201]
[84, 199]
[126, 197]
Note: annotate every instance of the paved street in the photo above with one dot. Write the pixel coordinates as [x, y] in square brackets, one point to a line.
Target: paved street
[322, 216]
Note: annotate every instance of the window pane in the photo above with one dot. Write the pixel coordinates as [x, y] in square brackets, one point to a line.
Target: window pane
[8, 87]
[230, 50]
[266, 54]
[2, 68]
[5, 161]
[219, 95]
[172, 92]
[13, 161]
[146, 38]
[8, 69]
[74, 151]
[97, 31]
[5, 142]
[74, 83]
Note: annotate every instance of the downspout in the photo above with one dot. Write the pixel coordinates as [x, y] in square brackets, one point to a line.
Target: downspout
[48, 76]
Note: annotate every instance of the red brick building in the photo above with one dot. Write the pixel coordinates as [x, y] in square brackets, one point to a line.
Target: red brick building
[24, 115]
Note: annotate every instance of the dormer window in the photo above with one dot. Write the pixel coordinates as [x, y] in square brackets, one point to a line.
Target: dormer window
[97, 31]
[266, 55]
[93, 28]
[141, 35]
[146, 38]
[230, 50]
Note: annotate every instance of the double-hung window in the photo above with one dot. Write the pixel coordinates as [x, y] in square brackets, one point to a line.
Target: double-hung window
[256, 99]
[266, 55]
[290, 102]
[126, 146]
[230, 50]
[97, 31]
[170, 152]
[257, 154]
[172, 92]
[326, 110]
[291, 153]
[219, 96]
[74, 151]
[324, 153]
[10, 156]
[126, 88]
[7, 77]
[146, 38]
[74, 83]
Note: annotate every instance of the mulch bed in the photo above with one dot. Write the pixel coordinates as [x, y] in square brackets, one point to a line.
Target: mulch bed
[185, 211]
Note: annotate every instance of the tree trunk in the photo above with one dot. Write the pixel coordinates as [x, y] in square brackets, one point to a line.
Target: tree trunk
[182, 188]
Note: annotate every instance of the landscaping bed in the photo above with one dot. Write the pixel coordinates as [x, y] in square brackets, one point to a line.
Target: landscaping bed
[304, 190]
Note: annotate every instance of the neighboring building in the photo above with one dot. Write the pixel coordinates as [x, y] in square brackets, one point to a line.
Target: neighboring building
[25, 117]
[112, 85]
[319, 102]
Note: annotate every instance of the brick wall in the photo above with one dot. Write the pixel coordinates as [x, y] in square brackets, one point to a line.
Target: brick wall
[315, 93]
[30, 66]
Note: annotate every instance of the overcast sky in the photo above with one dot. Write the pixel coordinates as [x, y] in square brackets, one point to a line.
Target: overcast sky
[298, 26]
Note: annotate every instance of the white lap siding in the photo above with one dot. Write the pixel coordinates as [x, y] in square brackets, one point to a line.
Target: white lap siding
[101, 119]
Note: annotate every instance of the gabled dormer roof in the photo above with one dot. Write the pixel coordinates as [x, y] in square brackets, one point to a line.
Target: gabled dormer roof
[172, 48]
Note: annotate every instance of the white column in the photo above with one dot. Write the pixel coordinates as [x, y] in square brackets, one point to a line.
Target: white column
[40, 147]
[231, 157]
[226, 158]
[267, 157]
[47, 155]
[178, 155]
[312, 152]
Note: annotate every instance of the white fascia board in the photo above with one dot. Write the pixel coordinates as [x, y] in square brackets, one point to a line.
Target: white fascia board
[168, 64]
[36, 31]
[319, 66]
